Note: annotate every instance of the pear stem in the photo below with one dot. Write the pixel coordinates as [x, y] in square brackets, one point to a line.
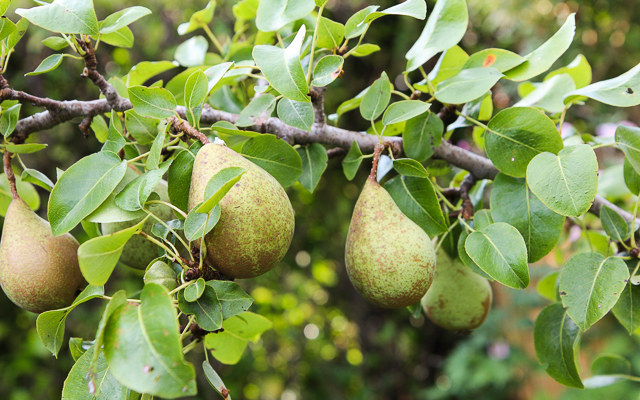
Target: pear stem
[377, 151]
[8, 170]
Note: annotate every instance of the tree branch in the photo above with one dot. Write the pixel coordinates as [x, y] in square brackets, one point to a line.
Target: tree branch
[480, 167]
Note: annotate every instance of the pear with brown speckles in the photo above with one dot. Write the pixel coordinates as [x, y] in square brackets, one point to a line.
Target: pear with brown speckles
[390, 259]
[38, 271]
[256, 221]
[459, 299]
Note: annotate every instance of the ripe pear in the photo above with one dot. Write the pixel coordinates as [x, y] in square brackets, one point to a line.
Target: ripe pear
[256, 223]
[38, 271]
[390, 259]
[459, 299]
[139, 252]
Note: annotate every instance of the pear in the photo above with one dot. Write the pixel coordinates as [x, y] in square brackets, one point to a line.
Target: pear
[139, 252]
[390, 260]
[459, 299]
[38, 271]
[256, 223]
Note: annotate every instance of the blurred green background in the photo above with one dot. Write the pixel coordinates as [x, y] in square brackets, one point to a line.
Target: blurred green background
[327, 343]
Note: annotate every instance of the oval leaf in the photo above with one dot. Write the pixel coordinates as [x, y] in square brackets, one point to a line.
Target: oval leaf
[275, 156]
[152, 102]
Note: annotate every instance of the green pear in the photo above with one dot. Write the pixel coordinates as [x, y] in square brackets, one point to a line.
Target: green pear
[459, 299]
[38, 271]
[390, 259]
[139, 252]
[256, 223]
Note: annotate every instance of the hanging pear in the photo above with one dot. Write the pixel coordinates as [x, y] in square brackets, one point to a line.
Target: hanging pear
[139, 252]
[257, 221]
[38, 271]
[389, 258]
[459, 299]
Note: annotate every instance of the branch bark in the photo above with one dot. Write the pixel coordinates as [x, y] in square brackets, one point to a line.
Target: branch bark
[480, 167]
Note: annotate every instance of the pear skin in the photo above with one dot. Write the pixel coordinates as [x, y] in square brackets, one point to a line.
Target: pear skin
[139, 252]
[38, 271]
[257, 221]
[390, 260]
[459, 299]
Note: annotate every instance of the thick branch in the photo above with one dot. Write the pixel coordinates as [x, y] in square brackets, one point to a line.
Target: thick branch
[480, 167]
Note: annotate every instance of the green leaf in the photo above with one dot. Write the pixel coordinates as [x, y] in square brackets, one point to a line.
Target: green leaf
[123, 37]
[152, 102]
[143, 71]
[115, 141]
[467, 85]
[631, 178]
[179, 176]
[482, 219]
[192, 52]
[218, 186]
[404, 110]
[275, 156]
[99, 256]
[449, 64]
[376, 99]
[206, 308]
[628, 138]
[330, 33]
[327, 70]
[621, 91]
[9, 119]
[118, 300]
[627, 309]
[36, 177]
[25, 148]
[142, 347]
[547, 286]
[228, 346]
[26, 191]
[108, 211]
[82, 188]
[445, 27]
[365, 49]
[281, 67]
[134, 196]
[542, 58]
[155, 153]
[48, 64]
[417, 199]
[352, 161]
[548, 95]
[607, 370]
[464, 256]
[142, 129]
[4, 6]
[516, 135]
[421, 134]
[614, 225]
[195, 93]
[198, 19]
[195, 290]
[274, 14]
[512, 202]
[104, 386]
[212, 376]
[590, 286]
[411, 8]
[233, 299]
[500, 59]
[215, 74]
[64, 16]
[500, 251]
[196, 225]
[566, 183]
[259, 109]
[76, 348]
[355, 25]
[579, 70]
[162, 274]
[100, 128]
[556, 339]
[50, 324]
[296, 114]
[122, 18]
[15, 36]
[314, 162]
[410, 167]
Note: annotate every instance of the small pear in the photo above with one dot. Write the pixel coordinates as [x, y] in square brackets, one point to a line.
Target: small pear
[459, 299]
[390, 259]
[139, 252]
[38, 271]
[256, 223]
